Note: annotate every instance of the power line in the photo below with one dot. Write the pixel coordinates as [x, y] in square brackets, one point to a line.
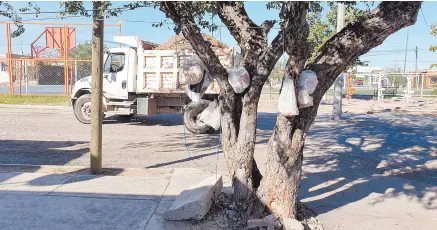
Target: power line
[64, 12]
[423, 15]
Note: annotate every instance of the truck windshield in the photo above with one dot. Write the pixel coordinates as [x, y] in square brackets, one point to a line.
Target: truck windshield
[115, 62]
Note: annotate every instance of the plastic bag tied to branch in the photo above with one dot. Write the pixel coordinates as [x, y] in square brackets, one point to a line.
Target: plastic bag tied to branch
[239, 79]
[192, 71]
[195, 91]
[211, 115]
[306, 85]
[287, 104]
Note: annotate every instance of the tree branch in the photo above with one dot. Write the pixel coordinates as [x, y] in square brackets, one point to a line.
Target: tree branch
[191, 31]
[358, 38]
[293, 20]
[242, 28]
[185, 20]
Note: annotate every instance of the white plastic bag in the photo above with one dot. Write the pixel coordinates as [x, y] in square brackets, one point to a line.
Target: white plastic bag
[239, 79]
[211, 115]
[304, 99]
[192, 71]
[307, 81]
[197, 95]
[307, 84]
[287, 104]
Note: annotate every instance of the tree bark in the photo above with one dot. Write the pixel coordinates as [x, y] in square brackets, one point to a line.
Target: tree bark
[97, 90]
[279, 187]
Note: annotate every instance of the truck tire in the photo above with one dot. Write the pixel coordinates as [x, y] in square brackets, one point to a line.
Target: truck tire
[190, 118]
[82, 109]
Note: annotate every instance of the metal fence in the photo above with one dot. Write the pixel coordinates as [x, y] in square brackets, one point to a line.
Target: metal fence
[44, 76]
[367, 83]
[44, 69]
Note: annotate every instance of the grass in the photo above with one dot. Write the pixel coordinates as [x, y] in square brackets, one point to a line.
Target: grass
[34, 99]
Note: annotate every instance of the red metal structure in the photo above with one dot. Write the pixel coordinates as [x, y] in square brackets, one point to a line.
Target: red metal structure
[55, 37]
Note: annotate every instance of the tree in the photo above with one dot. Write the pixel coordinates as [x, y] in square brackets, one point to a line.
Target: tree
[321, 29]
[433, 48]
[277, 189]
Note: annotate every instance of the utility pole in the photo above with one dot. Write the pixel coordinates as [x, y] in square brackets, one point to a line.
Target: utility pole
[417, 76]
[417, 50]
[97, 88]
[338, 85]
[406, 51]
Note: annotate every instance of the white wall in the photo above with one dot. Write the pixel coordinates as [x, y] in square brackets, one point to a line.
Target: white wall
[4, 77]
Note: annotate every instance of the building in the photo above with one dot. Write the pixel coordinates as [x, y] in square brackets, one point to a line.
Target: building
[4, 76]
[431, 79]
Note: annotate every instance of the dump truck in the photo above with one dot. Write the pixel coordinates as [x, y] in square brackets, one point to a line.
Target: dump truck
[146, 82]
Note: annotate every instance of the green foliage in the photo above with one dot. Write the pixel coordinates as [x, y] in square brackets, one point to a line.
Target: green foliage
[433, 48]
[8, 11]
[82, 51]
[323, 28]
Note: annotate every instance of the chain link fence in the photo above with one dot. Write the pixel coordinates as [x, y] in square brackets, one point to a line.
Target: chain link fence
[45, 62]
[44, 77]
[366, 84]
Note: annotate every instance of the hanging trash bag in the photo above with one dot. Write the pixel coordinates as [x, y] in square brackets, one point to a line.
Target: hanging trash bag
[307, 84]
[195, 91]
[239, 79]
[304, 99]
[211, 115]
[307, 81]
[192, 71]
[287, 104]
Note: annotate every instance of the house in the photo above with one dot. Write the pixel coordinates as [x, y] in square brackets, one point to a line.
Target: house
[431, 79]
[4, 76]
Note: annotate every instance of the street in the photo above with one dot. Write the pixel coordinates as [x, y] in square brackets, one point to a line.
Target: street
[361, 167]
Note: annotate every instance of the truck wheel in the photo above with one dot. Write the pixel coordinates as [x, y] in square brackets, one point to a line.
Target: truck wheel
[82, 109]
[193, 125]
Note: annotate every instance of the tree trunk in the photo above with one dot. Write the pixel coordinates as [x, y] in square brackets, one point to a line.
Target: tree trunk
[97, 90]
[239, 151]
[280, 185]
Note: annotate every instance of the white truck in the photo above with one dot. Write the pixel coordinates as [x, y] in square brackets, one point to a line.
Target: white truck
[146, 82]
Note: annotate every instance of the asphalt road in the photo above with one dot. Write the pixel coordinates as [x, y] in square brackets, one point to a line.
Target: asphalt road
[44, 135]
[51, 135]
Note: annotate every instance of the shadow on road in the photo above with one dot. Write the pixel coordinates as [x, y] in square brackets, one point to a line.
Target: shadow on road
[391, 156]
[41, 152]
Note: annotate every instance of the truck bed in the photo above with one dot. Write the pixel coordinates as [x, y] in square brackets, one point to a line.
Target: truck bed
[158, 70]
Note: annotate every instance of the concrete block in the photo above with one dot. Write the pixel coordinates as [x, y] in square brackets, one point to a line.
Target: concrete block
[292, 224]
[194, 203]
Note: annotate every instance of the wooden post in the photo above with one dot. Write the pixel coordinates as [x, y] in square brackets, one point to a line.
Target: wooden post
[97, 89]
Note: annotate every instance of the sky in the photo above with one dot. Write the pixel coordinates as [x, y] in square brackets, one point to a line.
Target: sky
[388, 55]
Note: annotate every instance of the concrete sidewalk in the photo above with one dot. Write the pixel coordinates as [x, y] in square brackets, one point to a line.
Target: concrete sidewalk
[132, 199]
[61, 197]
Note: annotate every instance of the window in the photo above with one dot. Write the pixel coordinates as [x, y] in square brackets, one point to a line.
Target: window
[115, 62]
[4, 67]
